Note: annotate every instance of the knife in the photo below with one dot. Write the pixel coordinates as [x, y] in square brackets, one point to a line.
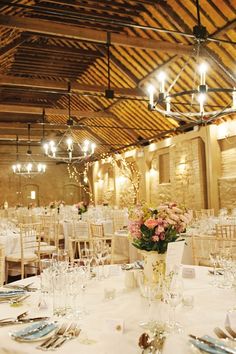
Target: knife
[23, 320]
[213, 345]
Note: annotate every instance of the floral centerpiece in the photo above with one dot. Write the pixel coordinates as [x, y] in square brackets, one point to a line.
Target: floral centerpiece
[82, 207]
[151, 229]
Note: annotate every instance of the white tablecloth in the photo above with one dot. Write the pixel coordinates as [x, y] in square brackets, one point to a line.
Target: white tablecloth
[209, 311]
[11, 242]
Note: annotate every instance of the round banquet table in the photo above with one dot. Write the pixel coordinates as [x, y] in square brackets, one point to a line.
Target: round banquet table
[98, 336]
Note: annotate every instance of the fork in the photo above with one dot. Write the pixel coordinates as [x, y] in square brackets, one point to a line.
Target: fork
[68, 333]
[50, 341]
[230, 331]
[221, 334]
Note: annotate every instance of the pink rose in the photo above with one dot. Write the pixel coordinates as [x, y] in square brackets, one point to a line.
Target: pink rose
[162, 236]
[151, 223]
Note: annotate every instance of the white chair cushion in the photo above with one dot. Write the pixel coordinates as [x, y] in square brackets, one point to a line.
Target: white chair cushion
[16, 257]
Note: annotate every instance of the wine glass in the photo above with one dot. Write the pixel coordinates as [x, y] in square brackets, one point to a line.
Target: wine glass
[88, 258]
[104, 258]
[174, 295]
[149, 291]
[214, 260]
[98, 249]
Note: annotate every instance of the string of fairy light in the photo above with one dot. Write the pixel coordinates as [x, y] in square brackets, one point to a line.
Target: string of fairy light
[76, 176]
[127, 168]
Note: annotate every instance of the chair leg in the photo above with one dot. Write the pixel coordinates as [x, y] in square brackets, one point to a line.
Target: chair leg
[22, 270]
[6, 272]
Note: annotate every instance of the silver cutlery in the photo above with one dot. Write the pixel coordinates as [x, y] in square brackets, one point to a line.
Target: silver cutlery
[19, 300]
[221, 334]
[22, 320]
[65, 336]
[230, 331]
[50, 341]
[224, 348]
[68, 336]
[23, 287]
[16, 300]
[19, 317]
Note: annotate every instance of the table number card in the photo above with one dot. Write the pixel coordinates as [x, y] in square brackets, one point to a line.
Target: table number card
[174, 255]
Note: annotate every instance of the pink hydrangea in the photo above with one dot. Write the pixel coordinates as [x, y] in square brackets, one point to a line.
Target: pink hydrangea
[134, 229]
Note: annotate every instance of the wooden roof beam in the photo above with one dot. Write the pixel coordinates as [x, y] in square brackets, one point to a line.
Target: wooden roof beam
[63, 86]
[62, 50]
[53, 111]
[78, 33]
[13, 44]
[221, 31]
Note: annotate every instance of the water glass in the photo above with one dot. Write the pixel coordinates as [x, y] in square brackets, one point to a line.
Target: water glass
[60, 304]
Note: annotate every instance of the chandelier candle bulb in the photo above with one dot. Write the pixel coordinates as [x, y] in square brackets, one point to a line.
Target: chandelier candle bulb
[168, 105]
[69, 144]
[161, 78]
[45, 146]
[203, 69]
[93, 146]
[151, 95]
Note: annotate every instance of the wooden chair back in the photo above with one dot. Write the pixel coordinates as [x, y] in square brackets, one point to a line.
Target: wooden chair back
[226, 231]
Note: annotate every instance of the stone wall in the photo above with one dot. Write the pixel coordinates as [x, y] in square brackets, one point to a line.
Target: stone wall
[53, 185]
[187, 180]
[227, 192]
[227, 182]
[187, 173]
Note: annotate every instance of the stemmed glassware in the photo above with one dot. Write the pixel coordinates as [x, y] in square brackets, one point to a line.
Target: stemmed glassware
[214, 260]
[89, 259]
[174, 296]
[149, 291]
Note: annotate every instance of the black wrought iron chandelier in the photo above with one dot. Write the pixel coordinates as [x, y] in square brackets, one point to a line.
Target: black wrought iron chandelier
[66, 149]
[165, 99]
[27, 168]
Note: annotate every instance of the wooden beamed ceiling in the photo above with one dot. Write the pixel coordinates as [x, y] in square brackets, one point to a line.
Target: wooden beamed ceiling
[51, 49]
